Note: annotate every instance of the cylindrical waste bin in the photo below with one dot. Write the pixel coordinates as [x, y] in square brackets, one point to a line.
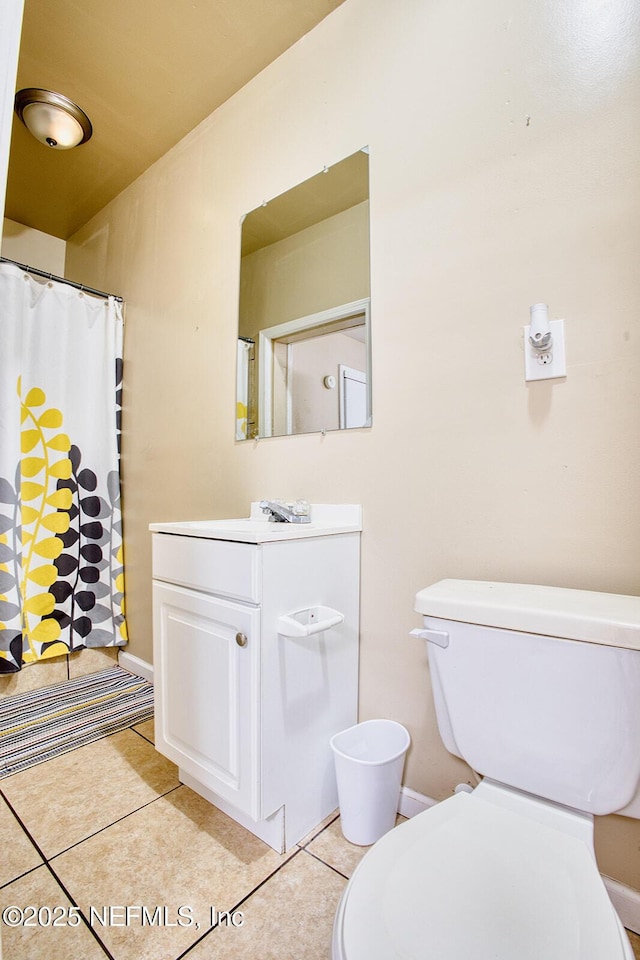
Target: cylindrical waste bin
[369, 759]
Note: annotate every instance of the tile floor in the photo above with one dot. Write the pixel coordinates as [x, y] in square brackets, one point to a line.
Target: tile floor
[109, 826]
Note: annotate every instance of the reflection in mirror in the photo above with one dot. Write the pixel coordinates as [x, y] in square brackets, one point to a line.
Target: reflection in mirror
[304, 334]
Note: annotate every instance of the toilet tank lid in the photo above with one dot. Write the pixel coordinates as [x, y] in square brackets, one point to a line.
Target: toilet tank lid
[607, 618]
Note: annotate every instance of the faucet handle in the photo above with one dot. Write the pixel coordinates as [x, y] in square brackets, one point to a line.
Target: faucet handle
[281, 512]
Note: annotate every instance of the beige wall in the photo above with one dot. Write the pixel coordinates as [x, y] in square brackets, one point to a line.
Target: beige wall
[10, 29]
[315, 406]
[33, 247]
[503, 156]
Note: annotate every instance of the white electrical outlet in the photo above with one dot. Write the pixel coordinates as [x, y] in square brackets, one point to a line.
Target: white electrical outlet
[549, 364]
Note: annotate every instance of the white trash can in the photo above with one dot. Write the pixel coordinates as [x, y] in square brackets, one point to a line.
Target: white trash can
[369, 759]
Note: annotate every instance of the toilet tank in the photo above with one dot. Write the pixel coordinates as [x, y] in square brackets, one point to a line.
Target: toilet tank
[539, 688]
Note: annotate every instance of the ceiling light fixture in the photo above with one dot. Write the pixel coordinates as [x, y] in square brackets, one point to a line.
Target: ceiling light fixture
[52, 118]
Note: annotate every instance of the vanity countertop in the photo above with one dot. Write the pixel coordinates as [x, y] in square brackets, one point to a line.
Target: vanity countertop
[327, 519]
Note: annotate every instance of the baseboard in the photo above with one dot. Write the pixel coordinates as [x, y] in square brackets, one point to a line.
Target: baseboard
[626, 902]
[135, 665]
[412, 803]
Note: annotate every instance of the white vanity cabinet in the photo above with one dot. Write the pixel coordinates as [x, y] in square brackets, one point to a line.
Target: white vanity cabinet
[250, 686]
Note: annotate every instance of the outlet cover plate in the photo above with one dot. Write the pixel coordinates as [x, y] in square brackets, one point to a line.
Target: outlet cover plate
[556, 366]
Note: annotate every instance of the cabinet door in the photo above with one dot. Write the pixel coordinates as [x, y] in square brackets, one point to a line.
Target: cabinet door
[207, 691]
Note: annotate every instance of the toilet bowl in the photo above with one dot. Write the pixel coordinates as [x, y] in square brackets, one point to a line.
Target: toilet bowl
[538, 690]
[477, 877]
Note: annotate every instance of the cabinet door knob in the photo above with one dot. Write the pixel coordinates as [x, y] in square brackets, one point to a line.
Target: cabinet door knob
[241, 639]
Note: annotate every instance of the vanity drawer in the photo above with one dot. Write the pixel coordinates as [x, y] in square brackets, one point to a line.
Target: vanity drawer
[220, 567]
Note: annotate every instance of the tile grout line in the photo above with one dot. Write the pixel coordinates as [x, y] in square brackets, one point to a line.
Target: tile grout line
[330, 865]
[265, 881]
[137, 732]
[21, 875]
[113, 823]
[72, 901]
[237, 905]
[303, 846]
[95, 833]
[45, 863]
[24, 828]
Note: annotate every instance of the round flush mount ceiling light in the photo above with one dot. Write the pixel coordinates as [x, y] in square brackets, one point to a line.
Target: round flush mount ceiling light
[52, 118]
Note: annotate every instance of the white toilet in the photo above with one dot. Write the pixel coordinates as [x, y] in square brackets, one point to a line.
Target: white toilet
[538, 689]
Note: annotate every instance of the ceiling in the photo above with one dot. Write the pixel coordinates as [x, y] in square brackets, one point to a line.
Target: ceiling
[146, 72]
[336, 189]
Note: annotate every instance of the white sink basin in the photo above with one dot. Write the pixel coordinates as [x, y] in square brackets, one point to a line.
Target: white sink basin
[242, 523]
[327, 520]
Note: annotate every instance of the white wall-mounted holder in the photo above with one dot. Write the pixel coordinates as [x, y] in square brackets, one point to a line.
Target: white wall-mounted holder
[544, 351]
[304, 623]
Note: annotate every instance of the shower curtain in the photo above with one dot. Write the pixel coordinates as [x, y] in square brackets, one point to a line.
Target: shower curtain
[61, 565]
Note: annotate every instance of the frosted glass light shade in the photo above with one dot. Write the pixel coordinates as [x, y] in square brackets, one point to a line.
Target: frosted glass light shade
[53, 119]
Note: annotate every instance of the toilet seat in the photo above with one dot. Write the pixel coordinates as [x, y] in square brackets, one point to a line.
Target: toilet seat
[467, 878]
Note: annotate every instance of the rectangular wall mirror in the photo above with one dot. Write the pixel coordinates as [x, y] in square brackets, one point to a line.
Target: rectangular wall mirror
[304, 340]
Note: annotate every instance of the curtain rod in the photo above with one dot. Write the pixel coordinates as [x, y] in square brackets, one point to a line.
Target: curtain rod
[70, 283]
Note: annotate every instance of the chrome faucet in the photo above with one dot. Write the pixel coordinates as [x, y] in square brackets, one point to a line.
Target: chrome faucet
[281, 512]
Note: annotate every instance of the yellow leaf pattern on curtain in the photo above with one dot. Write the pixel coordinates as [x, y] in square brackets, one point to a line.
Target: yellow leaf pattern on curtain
[41, 544]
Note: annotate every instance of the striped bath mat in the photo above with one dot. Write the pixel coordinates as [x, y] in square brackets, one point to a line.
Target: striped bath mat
[42, 724]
